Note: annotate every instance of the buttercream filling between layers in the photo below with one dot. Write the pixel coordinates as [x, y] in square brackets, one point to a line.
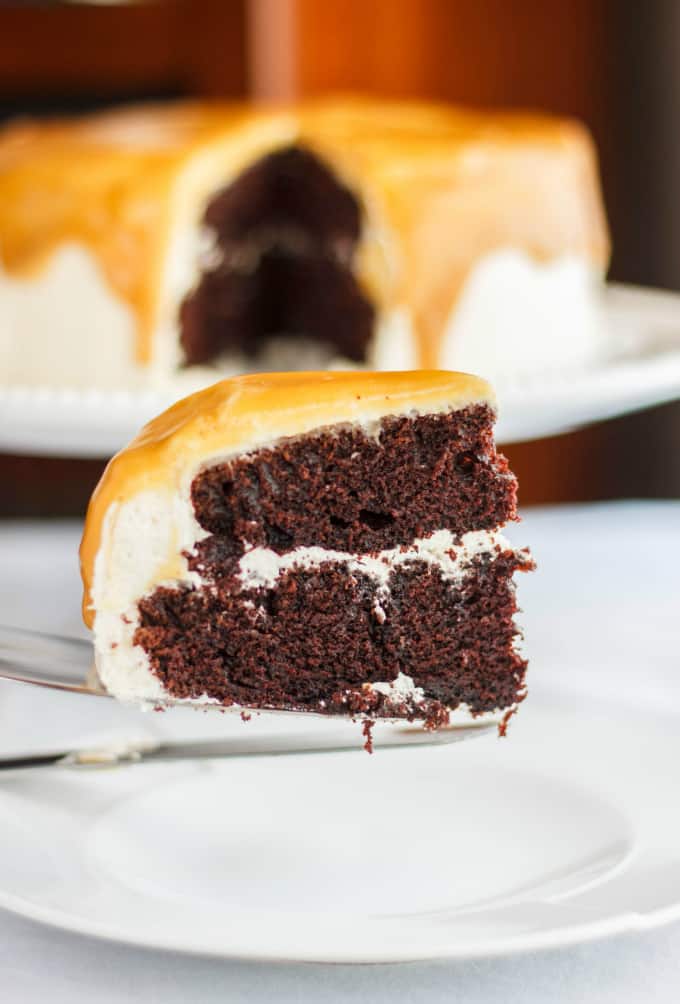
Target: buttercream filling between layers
[260, 567]
[124, 667]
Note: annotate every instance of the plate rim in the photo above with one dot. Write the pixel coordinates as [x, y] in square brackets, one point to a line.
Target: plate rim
[508, 947]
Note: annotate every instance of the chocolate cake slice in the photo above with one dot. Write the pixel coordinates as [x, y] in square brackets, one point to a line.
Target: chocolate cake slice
[324, 542]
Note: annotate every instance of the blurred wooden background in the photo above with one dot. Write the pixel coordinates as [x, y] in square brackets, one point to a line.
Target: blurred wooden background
[612, 63]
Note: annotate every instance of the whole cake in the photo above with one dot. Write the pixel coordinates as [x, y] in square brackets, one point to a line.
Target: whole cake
[170, 245]
[324, 542]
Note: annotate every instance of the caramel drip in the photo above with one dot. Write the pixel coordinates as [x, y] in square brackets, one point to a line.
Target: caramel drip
[441, 187]
[245, 412]
[446, 187]
[107, 182]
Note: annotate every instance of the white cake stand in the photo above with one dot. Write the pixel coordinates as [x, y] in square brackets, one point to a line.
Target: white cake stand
[641, 369]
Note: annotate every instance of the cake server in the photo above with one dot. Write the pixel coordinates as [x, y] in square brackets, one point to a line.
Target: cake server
[47, 660]
[150, 750]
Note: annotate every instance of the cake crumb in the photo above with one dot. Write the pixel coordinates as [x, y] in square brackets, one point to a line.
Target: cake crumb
[503, 724]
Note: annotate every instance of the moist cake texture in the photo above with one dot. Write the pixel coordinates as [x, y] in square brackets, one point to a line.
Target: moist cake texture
[170, 245]
[318, 542]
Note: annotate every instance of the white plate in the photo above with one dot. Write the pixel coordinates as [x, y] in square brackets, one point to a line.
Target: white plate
[566, 831]
[641, 369]
[490, 848]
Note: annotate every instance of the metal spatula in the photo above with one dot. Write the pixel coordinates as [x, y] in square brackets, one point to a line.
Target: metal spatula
[46, 660]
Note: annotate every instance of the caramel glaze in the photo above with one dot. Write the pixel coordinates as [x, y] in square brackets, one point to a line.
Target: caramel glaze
[238, 415]
[440, 187]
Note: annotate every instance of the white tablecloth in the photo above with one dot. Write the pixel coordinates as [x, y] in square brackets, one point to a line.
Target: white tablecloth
[607, 592]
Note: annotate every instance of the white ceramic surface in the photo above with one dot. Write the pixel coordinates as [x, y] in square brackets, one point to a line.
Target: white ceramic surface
[410, 855]
[566, 831]
[641, 368]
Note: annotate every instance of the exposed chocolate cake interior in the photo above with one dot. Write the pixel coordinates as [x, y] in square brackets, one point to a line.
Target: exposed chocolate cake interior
[285, 233]
[321, 630]
[351, 491]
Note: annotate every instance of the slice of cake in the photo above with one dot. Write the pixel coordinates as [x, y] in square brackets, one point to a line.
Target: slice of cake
[324, 542]
[176, 244]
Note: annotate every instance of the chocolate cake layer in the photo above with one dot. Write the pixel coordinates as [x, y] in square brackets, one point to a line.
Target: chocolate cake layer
[354, 490]
[285, 233]
[290, 188]
[284, 293]
[321, 635]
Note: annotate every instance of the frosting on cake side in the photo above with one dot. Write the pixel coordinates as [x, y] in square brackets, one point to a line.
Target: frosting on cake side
[441, 193]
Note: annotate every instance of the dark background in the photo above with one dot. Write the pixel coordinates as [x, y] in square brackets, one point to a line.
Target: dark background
[612, 63]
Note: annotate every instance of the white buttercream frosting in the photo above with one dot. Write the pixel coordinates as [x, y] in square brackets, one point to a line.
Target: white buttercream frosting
[516, 317]
[400, 690]
[260, 567]
[65, 326]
